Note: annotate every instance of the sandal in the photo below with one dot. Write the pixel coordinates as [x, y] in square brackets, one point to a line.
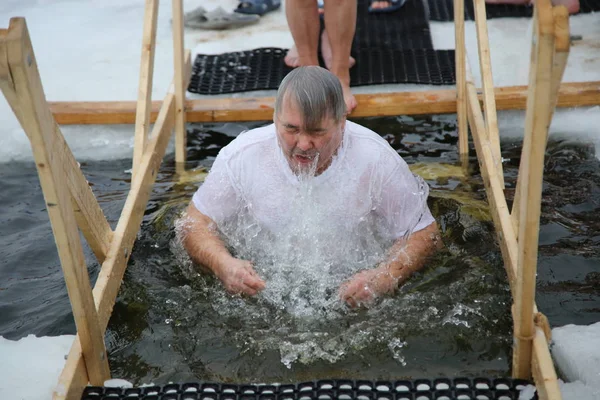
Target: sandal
[258, 7]
[217, 19]
[394, 5]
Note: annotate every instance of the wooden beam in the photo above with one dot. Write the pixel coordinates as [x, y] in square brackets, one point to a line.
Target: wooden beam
[179, 82]
[26, 94]
[489, 99]
[142, 116]
[494, 189]
[461, 88]
[531, 173]
[73, 378]
[562, 44]
[542, 368]
[578, 94]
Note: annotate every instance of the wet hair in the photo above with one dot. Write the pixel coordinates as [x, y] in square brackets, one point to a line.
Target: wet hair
[317, 93]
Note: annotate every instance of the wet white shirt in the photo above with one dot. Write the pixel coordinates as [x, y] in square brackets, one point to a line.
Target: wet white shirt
[366, 182]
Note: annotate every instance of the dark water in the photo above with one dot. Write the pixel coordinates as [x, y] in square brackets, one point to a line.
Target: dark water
[452, 319]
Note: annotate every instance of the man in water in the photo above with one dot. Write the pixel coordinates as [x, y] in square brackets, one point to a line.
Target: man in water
[355, 175]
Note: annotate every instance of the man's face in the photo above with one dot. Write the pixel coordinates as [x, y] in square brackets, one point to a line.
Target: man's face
[302, 147]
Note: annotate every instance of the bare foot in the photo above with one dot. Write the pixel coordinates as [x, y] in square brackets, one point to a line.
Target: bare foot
[291, 58]
[348, 97]
[327, 54]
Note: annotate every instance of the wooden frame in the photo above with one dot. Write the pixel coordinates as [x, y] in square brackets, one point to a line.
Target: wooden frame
[77, 207]
[518, 233]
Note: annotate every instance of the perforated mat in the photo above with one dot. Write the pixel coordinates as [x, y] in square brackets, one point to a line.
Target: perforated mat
[388, 48]
[421, 389]
[443, 10]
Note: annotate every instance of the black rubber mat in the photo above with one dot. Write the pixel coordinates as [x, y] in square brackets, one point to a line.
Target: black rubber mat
[444, 388]
[388, 48]
[443, 10]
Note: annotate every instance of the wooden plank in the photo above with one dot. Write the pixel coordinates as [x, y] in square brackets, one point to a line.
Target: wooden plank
[72, 379]
[489, 100]
[494, 188]
[531, 175]
[28, 97]
[562, 44]
[428, 102]
[179, 82]
[142, 119]
[542, 368]
[460, 58]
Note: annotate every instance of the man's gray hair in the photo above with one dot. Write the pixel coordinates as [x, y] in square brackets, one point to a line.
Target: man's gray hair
[317, 93]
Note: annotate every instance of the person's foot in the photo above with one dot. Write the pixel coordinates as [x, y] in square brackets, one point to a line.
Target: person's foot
[348, 96]
[292, 59]
[327, 54]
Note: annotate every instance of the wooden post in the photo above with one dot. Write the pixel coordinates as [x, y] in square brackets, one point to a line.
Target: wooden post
[460, 59]
[23, 89]
[489, 100]
[537, 119]
[144, 103]
[562, 44]
[180, 85]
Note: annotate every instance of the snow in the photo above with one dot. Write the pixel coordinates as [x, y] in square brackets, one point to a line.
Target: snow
[31, 366]
[576, 352]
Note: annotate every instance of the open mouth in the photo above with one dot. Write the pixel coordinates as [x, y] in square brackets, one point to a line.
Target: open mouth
[304, 159]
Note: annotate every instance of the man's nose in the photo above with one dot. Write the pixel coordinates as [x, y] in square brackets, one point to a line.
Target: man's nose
[304, 142]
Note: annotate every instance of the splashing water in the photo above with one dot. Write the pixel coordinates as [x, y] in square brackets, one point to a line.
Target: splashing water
[300, 313]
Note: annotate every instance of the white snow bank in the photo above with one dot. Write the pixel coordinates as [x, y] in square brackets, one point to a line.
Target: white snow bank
[31, 366]
[576, 351]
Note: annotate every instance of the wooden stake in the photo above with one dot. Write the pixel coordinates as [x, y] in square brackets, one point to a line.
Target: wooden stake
[489, 101]
[25, 93]
[72, 379]
[562, 44]
[460, 58]
[531, 175]
[180, 85]
[144, 103]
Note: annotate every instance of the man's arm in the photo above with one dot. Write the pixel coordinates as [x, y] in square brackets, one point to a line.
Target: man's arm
[405, 258]
[205, 248]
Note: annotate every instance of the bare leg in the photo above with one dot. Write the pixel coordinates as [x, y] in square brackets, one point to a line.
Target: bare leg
[303, 20]
[326, 51]
[340, 17]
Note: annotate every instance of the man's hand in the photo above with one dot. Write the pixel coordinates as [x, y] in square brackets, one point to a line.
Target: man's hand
[238, 276]
[364, 287]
